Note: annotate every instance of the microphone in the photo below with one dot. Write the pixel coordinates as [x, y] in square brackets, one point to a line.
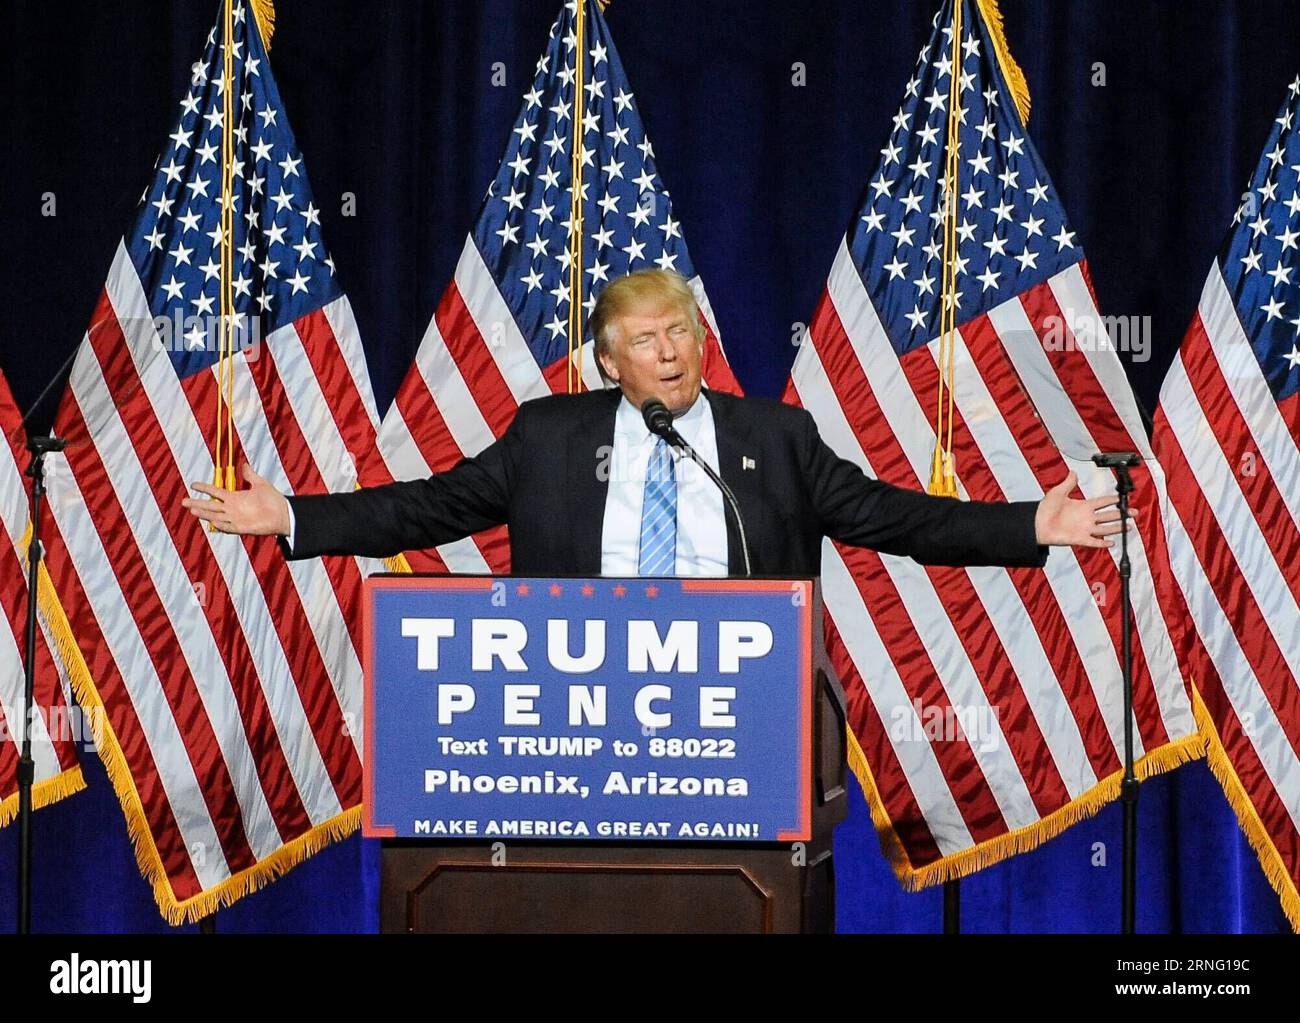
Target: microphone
[659, 421]
[1117, 460]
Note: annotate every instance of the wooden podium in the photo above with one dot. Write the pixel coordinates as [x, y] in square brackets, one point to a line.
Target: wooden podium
[482, 886]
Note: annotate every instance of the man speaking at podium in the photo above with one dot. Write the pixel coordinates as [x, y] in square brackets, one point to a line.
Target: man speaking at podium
[586, 488]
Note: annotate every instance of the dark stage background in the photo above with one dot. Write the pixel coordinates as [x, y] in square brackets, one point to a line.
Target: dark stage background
[393, 101]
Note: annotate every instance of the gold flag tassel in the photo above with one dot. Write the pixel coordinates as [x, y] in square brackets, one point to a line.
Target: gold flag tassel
[1011, 71]
[264, 12]
[572, 367]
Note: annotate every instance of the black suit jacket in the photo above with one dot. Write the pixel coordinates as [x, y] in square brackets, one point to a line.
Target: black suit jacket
[543, 478]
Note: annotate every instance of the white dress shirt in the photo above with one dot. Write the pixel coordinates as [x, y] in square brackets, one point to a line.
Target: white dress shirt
[701, 525]
[701, 528]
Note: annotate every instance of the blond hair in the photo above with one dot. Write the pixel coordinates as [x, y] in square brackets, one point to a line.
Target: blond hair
[640, 289]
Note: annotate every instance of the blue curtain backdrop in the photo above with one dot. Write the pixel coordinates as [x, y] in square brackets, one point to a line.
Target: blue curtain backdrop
[395, 102]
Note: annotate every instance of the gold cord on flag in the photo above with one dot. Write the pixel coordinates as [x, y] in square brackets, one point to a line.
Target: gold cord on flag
[943, 478]
[223, 468]
[943, 475]
[572, 368]
[223, 454]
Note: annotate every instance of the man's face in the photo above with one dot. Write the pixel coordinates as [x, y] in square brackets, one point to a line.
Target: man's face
[655, 354]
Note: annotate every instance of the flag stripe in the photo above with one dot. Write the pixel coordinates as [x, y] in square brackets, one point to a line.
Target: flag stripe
[326, 587]
[45, 753]
[300, 428]
[991, 466]
[1091, 374]
[160, 688]
[1155, 664]
[921, 762]
[205, 682]
[500, 333]
[956, 595]
[1207, 495]
[436, 387]
[1249, 470]
[319, 714]
[1269, 753]
[1085, 664]
[267, 728]
[105, 636]
[343, 327]
[251, 653]
[323, 370]
[910, 778]
[1274, 437]
[897, 620]
[475, 295]
[886, 379]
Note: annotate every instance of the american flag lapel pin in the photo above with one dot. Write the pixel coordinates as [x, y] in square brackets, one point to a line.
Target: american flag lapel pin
[747, 463]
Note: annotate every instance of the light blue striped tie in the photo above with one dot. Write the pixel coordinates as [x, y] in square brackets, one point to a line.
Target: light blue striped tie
[658, 551]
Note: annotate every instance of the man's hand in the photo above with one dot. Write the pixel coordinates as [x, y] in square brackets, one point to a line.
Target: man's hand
[261, 510]
[1061, 521]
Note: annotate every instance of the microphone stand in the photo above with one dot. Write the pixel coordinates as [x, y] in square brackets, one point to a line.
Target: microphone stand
[659, 421]
[679, 442]
[39, 447]
[1130, 785]
[670, 434]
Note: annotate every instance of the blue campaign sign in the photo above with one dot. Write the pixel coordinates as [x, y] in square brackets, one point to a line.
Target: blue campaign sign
[588, 709]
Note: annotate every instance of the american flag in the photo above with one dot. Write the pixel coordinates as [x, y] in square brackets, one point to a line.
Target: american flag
[56, 727]
[500, 333]
[1226, 434]
[231, 679]
[985, 704]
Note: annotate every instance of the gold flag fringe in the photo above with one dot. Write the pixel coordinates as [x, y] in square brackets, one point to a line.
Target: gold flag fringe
[1010, 69]
[45, 792]
[1247, 817]
[264, 12]
[985, 854]
[65, 783]
[398, 563]
[174, 910]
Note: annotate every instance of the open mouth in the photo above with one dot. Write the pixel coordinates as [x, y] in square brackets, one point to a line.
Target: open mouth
[675, 379]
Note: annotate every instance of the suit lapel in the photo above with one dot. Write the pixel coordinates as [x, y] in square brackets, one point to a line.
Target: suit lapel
[733, 448]
[591, 447]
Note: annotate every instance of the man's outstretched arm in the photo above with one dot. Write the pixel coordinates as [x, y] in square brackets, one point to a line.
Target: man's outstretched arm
[372, 521]
[864, 512]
